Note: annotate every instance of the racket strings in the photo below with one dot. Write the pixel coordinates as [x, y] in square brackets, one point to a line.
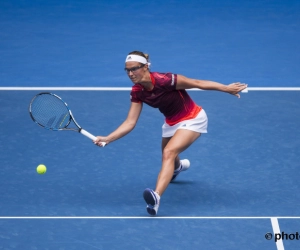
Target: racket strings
[50, 112]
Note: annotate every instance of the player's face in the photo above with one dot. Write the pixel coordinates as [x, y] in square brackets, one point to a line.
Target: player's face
[135, 71]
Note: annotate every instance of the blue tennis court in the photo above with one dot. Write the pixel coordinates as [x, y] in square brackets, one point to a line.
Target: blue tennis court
[244, 177]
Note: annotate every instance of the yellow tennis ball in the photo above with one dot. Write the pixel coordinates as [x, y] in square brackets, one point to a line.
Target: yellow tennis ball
[41, 169]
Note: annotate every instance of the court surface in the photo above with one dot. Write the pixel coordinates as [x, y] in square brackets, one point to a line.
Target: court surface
[244, 177]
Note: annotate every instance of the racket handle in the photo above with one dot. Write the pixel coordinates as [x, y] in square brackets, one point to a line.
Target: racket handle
[89, 135]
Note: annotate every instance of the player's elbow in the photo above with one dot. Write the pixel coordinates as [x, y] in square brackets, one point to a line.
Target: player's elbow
[201, 84]
[131, 124]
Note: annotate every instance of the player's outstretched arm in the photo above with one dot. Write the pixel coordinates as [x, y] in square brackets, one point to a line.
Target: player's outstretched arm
[127, 126]
[188, 83]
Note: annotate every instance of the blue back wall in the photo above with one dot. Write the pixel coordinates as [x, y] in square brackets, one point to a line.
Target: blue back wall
[84, 43]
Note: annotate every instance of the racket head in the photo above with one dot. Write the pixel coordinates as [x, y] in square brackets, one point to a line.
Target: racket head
[49, 111]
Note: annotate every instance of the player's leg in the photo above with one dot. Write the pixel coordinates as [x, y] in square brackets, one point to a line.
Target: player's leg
[181, 140]
[176, 139]
[179, 165]
[164, 143]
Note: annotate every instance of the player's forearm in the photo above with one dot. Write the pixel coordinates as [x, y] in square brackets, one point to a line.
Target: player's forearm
[210, 85]
[121, 131]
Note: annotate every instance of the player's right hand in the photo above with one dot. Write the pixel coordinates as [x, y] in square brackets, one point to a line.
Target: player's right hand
[101, 141]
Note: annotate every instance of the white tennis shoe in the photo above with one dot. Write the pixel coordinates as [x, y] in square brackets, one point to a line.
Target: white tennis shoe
[184, 165]
[152, 199]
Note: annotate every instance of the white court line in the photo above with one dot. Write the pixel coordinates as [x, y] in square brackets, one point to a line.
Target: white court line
[68, 88]
[129, 88]
[147, 217]
[274, 220]
[276, 230]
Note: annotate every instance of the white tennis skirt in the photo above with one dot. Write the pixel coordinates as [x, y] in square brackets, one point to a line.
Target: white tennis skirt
[197, 124]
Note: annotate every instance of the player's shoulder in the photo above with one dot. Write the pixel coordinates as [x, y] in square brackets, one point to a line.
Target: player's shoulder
[136, 88]
[164, 77]
[161, 75]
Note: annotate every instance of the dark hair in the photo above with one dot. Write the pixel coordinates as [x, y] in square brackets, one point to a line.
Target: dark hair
[139, 53]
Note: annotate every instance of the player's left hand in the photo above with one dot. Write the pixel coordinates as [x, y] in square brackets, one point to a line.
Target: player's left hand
[235, 88]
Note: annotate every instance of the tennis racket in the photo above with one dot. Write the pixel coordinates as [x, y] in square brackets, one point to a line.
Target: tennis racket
[50, 112]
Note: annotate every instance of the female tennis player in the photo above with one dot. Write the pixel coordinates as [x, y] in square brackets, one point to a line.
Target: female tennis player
[184, 122]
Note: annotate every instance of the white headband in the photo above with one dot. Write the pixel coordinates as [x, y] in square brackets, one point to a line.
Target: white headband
[137, 58]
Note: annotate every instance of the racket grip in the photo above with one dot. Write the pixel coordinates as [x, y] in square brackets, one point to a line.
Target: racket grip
[89, 135]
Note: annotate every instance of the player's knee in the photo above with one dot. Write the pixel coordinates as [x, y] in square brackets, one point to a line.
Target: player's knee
[169, 154]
